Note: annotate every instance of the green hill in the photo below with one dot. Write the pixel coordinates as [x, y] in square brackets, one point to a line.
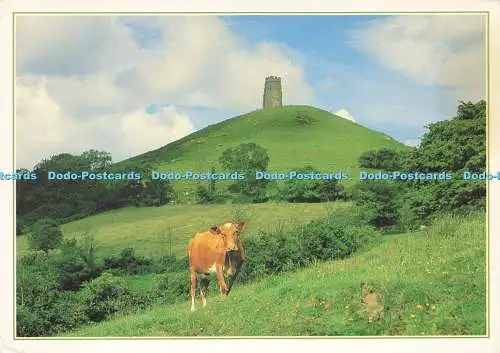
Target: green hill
[293, 136]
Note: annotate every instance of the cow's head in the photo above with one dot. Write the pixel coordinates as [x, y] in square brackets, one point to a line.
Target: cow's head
[230, 230]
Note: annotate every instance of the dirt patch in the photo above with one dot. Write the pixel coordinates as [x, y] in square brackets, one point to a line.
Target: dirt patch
[371, 302]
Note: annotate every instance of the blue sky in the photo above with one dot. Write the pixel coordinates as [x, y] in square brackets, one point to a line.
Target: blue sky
[156, 79]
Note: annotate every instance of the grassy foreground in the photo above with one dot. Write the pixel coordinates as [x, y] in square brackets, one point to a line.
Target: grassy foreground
[427, 283]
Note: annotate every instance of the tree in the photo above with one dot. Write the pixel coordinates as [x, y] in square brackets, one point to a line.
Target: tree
[384, 158]
[45, 234]
[453, 146]
[247, 158]
[296, 190]
[378, 200]
[97, 160]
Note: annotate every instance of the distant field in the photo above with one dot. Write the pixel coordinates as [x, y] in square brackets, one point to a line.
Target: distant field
[147, 229]
[427, 283]
[329, 143]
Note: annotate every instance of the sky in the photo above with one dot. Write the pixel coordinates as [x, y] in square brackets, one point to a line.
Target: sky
[128, 85]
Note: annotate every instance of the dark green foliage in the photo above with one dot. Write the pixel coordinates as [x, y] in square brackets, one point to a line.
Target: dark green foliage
[283, 250]
[21, 226]
[384, 158]
[378, 200]
[451, 146]
[45, 234]
[104, 296]
[156, 193]
[75, 265]
[296, 190]
[169, 263]
[172, 286]
[303, 119]
[325, 240]
[69, 200]
[203, 194]
[128, 263]
[42, 310]
[455, 146]
[247, 158]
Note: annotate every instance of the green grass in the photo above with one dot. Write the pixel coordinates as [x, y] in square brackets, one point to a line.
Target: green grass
[139, 283]
[329, 143]
[147, 229]
[429, 283]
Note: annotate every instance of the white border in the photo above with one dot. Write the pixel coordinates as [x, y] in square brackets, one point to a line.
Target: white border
[248, 345]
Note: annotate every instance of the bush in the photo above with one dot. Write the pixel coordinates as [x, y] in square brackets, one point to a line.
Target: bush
[378, 200]
[203, 195]
[128, 263]
[296, 190]
[74, 268]
[283, 250]
[384, 158]
[166, 263]
[325, 239]
[104, 296]
[21, 226]
[171, 287]
[45, 234]
[41, 309]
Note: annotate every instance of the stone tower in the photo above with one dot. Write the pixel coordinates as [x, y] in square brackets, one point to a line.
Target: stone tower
[272, 93]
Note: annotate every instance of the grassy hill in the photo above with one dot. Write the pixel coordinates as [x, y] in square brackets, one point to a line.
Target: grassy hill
[428, 283]
[327, 142]
[154, 231]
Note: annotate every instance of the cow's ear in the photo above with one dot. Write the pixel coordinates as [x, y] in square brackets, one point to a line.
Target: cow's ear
[242, 226]
[215, 230]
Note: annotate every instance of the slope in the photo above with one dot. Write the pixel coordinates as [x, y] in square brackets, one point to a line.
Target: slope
[294, 136]
[428, 283]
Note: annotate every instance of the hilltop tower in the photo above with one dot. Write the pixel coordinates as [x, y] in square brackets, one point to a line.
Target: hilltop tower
[272, 93]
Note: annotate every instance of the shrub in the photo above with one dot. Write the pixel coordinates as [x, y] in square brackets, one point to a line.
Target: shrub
[296, 190]
[45, 234]
[204, 195]
[41, 309]
[384, 158]
[74, 268]
[104, 296]
[165, 263]
[128, 263]
[378, 200]
[324, 239]
[281, 250]
[173, 286]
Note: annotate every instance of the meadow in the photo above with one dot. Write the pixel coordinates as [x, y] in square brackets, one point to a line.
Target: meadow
[156, 231]
[423, 283]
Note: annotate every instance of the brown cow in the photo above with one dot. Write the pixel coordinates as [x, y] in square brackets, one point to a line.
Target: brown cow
[209, 253]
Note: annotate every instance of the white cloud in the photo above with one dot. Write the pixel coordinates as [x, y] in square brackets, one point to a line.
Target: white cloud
[84, 83]
[447, 50]
[203, 63]
[43, 130]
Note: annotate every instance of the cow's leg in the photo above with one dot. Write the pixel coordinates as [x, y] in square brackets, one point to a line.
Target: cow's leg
[220, 278]
[193, 287]
[204, 282]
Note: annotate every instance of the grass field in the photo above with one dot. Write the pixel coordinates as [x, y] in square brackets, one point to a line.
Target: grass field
[426, 283]
[155, 231]
[329, 143]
